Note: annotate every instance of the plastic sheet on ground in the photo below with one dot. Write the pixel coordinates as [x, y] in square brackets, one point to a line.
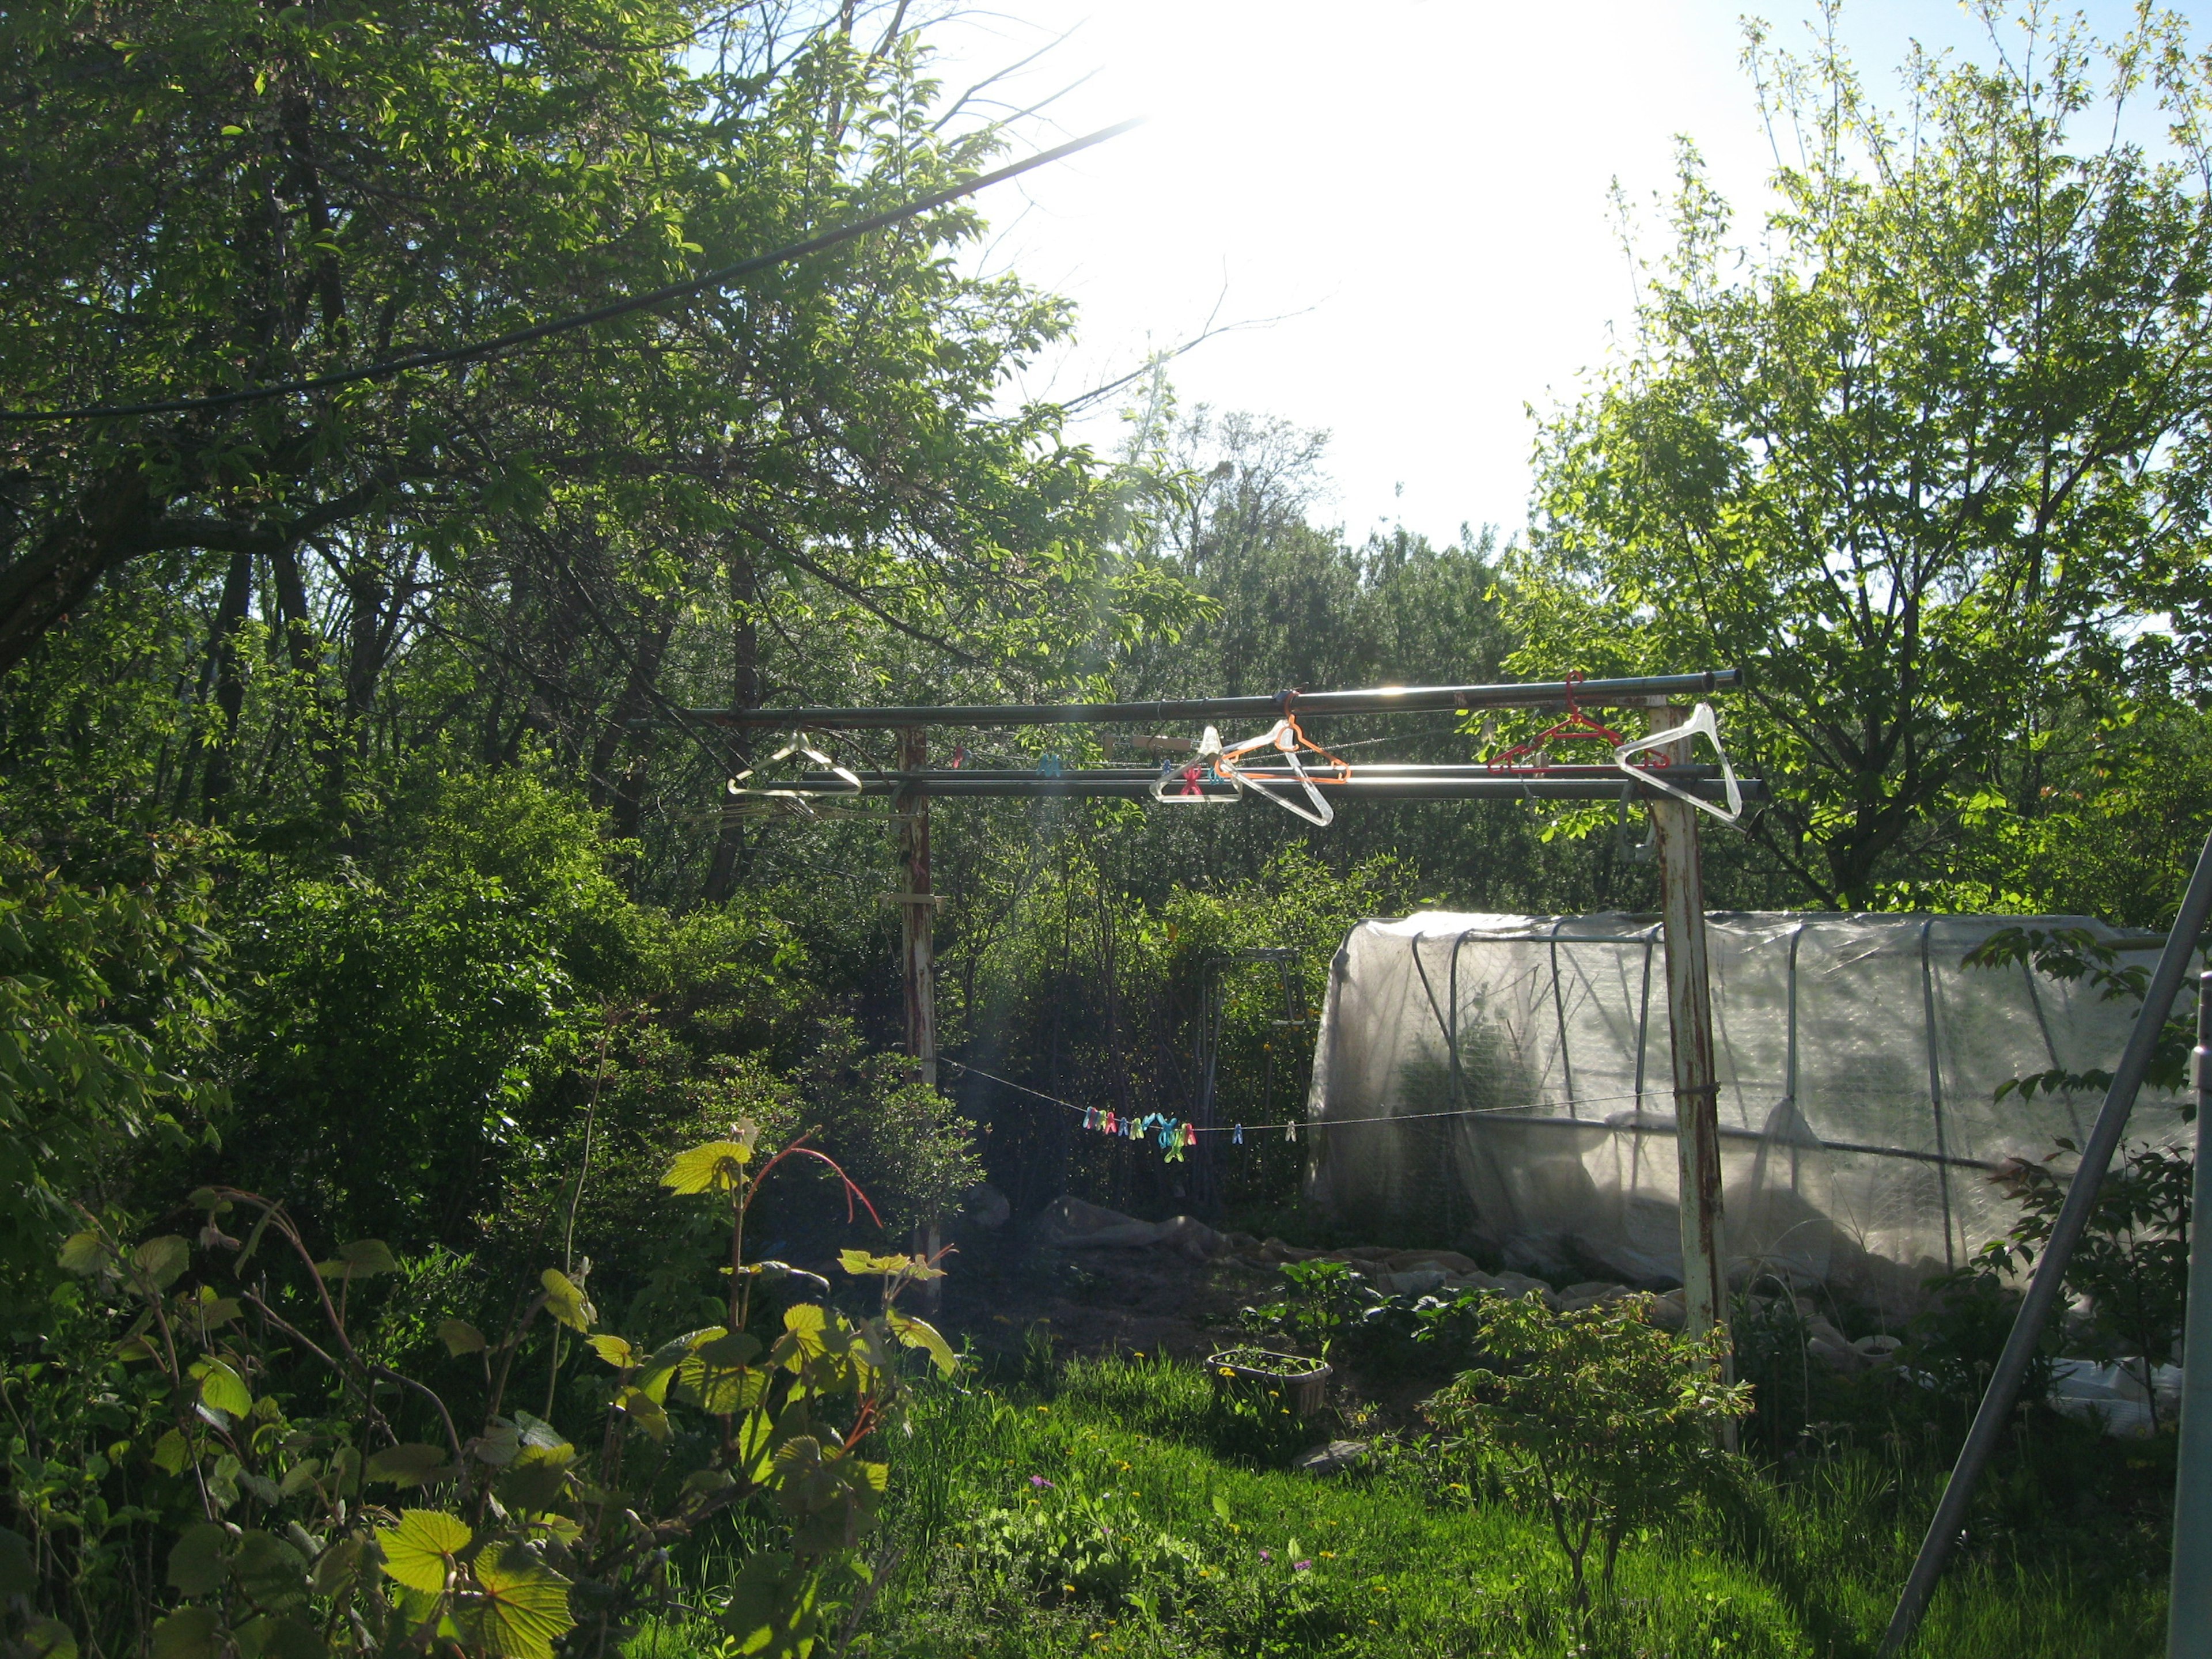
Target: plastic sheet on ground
[1507, 1079]
[2113, 1397]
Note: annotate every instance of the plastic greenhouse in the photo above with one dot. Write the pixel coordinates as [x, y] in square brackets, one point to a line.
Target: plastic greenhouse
[1507, 1078]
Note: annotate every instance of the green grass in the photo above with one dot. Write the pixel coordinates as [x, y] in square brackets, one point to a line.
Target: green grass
[1807, 1567]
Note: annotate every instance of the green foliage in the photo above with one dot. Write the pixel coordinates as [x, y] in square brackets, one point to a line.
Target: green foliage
[1603, 1420]
[1925, 464]
[111, 999]
[287, 1537]
[1067, 1544]
[2131, 1265]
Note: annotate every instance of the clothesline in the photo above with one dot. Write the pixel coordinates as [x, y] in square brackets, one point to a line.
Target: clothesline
[1291, 1124]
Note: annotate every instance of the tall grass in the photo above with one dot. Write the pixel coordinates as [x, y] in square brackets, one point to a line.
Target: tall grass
[1400, 1567]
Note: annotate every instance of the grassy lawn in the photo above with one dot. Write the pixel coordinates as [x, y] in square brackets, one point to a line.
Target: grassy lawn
[1196, 1546]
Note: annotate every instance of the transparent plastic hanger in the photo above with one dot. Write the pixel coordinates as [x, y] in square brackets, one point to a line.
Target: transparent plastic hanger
[1287, 740]
[1703, 722]
[801, 801]
[1181, 781]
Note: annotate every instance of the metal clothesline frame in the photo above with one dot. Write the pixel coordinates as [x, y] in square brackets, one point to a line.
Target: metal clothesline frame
[1668, 782]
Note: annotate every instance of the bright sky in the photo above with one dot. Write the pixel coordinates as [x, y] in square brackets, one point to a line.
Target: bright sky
[1419, 188]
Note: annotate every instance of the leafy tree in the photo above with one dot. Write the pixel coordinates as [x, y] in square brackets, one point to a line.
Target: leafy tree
[1925, 462]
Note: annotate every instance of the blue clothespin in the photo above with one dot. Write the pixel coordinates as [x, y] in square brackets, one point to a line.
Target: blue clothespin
[1090, 1117]
[1049, 765]
[1237, 1140]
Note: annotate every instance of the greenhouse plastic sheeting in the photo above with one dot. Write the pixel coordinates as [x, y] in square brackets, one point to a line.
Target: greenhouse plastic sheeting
[1508, 1080]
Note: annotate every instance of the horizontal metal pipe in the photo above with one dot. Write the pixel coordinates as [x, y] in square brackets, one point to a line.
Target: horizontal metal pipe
[1458, 783]
[1650, 690]
[1727, 1132]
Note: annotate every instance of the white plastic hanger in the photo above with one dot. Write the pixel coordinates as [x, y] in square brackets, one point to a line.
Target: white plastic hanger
[1180, 781]
[1284, 737]
[1702, 723]
[802, 800]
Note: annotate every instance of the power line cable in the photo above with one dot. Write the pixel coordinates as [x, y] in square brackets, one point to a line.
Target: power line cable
[623, 307]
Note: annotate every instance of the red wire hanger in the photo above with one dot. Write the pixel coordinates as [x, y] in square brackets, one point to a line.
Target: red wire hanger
[1576, 727]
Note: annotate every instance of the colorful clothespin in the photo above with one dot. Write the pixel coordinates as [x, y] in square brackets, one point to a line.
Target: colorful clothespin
[1107, 1122]
[1237, 1140]
[1291, 1131]
[1189, 1135]
[1090, 1117]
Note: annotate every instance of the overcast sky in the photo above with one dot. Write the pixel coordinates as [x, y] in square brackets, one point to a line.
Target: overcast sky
[1419, 188]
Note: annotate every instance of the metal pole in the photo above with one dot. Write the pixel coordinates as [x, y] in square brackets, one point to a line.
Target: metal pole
[917, 910]
[1944, 1531]
[1697, 1090]
[917, 925]
[2189, 1596]
[1651, 690]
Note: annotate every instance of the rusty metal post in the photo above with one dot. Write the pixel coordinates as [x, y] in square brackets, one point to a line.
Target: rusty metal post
[917, 953]
[917, 911]
[1690, 1024]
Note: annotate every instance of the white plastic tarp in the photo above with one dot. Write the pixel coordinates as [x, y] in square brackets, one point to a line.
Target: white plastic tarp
[1507, 1079]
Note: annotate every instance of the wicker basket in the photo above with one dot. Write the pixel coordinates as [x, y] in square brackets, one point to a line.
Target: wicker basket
[1301, 1382]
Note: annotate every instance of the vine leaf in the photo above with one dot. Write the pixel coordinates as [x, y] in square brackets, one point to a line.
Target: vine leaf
[616, 1351]
[364, 1259]
[411, 1464]
[189, 1633]
[920, 1334]
[460, 1337]
[565, 1300]
[716, 1167]
[162, 1260]
[525, 1605]
[222, 1389]
[419, 1550]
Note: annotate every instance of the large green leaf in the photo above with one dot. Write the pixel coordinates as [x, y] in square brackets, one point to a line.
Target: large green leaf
[773, 1611]
[162, 1260]
[410, 1465]
[525, 1605]
[460, 1337]
[716, 1167]
[364, 1258]
[565, 1300]
[920, 1334]
[538, 1478]
[85, 1255]
[189, 1633]
[273, 1574]
[196, 1560]
[223, 1387]
[419, 1552]
[19, 1567]
[282, 1635]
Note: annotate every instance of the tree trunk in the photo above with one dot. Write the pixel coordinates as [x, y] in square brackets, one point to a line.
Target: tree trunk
[230, 689]
[745, 693]
[40, 589]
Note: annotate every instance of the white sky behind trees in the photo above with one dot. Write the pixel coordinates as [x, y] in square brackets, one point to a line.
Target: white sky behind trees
[1418, 188]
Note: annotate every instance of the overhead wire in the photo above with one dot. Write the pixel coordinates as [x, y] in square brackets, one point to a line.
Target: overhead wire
[614, 308]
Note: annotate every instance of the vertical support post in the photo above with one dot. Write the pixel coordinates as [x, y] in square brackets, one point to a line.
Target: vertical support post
[1690, 1024]
[917, 910]
[2189, 1599]
[917, 953]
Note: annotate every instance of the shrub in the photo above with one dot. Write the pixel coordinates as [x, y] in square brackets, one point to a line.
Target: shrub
[1599, 1418]
[277, 1500]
